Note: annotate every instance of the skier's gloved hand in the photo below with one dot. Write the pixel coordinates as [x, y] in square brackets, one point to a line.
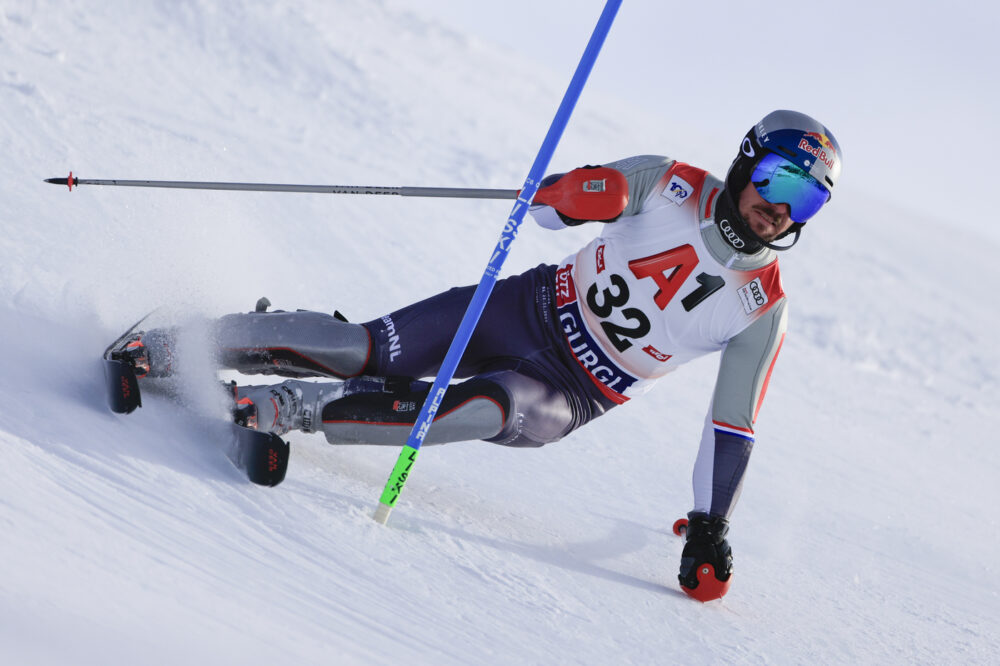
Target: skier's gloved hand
[589, 193]
[707, 560]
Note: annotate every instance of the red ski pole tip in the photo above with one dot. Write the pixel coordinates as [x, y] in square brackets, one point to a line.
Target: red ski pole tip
[709, 587]
[69, 181]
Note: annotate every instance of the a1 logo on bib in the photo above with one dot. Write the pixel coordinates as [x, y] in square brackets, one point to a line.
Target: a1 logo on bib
[678, 190]
[753, 296]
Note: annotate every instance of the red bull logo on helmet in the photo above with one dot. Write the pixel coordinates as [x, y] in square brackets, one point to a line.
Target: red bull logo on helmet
[825, 152]
[823, 140]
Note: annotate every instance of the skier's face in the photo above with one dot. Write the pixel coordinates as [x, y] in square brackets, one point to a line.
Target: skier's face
[767, 220]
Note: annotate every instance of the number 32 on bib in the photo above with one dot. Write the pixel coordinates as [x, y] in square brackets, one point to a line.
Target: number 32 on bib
[669, 270]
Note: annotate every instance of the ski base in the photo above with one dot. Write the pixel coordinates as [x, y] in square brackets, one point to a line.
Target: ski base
[122, 386]
[262, 456]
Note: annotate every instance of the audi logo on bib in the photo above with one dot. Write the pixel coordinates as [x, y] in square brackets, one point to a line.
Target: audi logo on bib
[753, 296]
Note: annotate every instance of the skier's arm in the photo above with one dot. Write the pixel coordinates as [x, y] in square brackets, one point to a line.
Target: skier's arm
[728, 435]
[641, 173]
[747, 359]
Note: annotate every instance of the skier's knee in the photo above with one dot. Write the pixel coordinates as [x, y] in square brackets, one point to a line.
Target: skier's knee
[537, 414]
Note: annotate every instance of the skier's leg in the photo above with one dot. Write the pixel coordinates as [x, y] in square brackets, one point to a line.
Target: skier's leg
[474, 409]
[411, 341]
[291, 344]
[505, 407]
[372, 410]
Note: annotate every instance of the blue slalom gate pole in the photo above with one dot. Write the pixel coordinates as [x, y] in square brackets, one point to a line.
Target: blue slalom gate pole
[408, 456]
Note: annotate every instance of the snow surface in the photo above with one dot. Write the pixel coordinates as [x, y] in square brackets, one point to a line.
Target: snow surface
[867, 531]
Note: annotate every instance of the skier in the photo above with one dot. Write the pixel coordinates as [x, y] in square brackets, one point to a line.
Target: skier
[688, 267]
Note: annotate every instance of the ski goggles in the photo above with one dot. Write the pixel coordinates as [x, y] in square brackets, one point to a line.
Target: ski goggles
[779, 181]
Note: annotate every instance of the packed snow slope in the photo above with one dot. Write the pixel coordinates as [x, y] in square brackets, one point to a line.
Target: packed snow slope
[867, 530]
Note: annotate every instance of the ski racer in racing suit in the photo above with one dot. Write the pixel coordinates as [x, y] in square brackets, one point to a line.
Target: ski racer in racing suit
[688, 267]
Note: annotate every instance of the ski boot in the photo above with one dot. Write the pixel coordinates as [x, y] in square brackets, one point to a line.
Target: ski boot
[149, 354]
[133, 355]
[298, 405]
[278, 408]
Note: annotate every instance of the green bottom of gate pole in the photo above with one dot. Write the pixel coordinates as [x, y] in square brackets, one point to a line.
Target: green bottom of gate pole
[394, 485]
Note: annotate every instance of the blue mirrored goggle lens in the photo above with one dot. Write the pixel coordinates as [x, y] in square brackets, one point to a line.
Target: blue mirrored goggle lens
[779, 181]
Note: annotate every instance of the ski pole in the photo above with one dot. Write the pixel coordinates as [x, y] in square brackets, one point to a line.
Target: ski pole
[587, 193]
[448, 192]
[408, 456]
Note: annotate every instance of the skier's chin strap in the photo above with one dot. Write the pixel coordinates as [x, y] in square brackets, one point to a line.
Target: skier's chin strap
[797, 230]
[738, 233]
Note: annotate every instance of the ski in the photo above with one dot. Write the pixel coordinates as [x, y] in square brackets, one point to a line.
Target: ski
[262, 457]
